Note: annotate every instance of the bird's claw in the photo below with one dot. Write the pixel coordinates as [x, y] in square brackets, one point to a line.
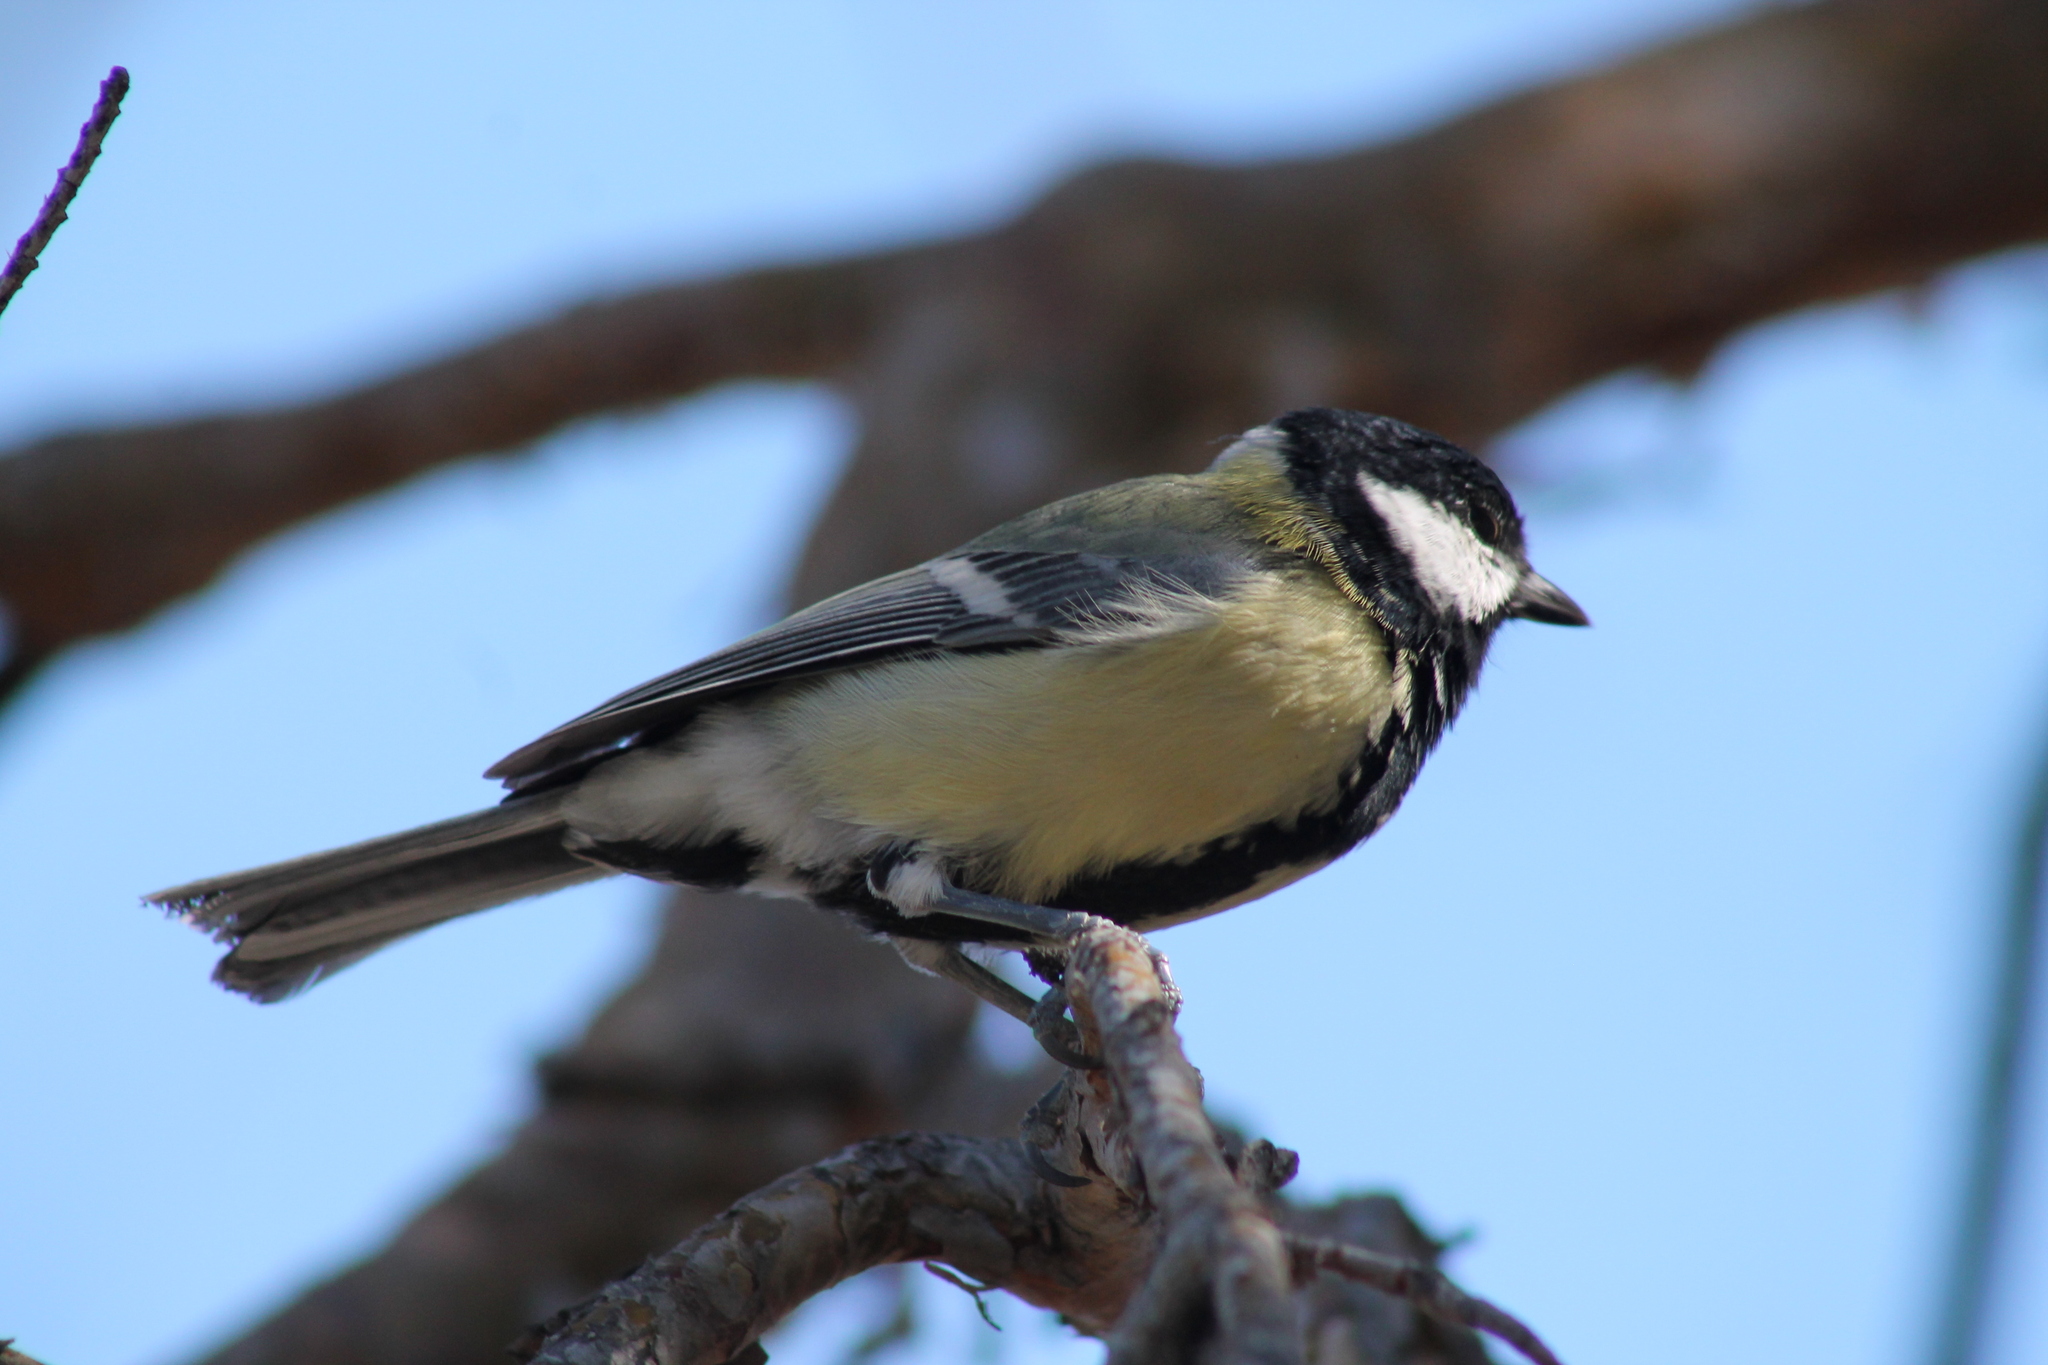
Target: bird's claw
[1057, 1034]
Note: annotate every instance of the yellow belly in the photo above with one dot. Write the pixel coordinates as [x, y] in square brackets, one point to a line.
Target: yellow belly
[1039, 765]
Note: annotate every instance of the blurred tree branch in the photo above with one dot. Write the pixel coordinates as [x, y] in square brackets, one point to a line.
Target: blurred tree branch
[1991, 1167]
[1461, 278]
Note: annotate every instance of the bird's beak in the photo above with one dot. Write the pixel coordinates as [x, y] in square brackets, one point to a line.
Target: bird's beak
[1538, 599]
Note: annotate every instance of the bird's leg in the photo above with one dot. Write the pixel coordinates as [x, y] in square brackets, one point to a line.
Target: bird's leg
[1055, 1033]
[1054, 926]
[1054, 929]
[1047, 1017]
[945, 959]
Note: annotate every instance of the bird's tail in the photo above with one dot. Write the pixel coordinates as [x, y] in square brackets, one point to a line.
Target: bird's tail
[293, 923]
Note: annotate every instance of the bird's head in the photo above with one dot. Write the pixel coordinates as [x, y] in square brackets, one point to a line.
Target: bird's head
[1424, 520]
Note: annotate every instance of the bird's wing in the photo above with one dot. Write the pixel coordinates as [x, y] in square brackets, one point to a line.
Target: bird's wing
[982, 599]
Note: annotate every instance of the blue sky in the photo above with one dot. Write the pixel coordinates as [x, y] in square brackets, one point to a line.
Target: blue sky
[1663, 983]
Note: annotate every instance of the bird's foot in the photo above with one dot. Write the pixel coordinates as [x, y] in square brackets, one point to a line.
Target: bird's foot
[1059, 1035]
[1054, 930]
[1046, 1017]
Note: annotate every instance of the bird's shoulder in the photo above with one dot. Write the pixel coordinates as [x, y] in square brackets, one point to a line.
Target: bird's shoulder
[1159, 516]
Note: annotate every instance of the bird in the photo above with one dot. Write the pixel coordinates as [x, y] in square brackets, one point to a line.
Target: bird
[1149, 702]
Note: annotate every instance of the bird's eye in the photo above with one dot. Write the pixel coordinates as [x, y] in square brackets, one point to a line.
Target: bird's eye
[1487, 523]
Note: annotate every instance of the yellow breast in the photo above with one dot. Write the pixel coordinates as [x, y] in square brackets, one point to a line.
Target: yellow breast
[1039, 765]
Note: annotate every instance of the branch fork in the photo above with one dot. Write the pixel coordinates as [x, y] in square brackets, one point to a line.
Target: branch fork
[1119, 1208]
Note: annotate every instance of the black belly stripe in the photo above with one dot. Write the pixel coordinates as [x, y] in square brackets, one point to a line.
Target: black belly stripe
[1140, 892]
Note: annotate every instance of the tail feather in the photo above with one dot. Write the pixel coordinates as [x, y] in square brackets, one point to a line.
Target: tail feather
[293, 923]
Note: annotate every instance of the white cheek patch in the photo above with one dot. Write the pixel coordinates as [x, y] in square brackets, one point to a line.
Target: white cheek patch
[1460, 572]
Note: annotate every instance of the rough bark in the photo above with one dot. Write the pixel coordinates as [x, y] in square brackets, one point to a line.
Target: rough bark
[1166, 1247]
[1218, 1286]
[1461, 278]
[979, 1205]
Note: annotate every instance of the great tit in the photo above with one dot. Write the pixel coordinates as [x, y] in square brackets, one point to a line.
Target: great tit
[1150, 702]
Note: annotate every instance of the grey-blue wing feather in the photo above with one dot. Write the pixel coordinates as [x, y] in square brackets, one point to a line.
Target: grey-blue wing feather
[984, 599]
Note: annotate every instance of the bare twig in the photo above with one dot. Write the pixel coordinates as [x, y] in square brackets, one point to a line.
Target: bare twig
[977, 1292]
[29, 249]
[1424, 1286]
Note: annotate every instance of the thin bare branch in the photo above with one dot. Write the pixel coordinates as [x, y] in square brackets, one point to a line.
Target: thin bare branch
[978, 1292]
[28, 251]
[1424, 1286]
